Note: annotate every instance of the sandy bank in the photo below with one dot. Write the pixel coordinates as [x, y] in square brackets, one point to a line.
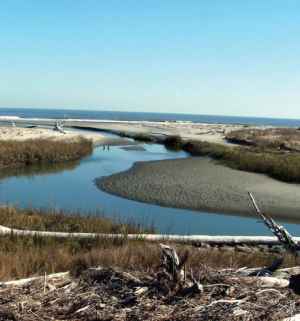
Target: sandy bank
[199, 184]
[8, 132]
[214, 133]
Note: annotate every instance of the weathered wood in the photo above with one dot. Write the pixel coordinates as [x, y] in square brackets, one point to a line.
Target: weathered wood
[49, 277]
[173, 266]
[266, 270]
[295, 317]
[191, 239]
[281, 233]
[58, 128]
[268, 281]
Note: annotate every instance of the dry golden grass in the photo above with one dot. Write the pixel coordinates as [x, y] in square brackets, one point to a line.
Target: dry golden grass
[261, 156]
[42, 151]
[270, 138]
[25, 256]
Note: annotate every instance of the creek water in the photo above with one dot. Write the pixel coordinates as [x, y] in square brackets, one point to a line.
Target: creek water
[71, 187]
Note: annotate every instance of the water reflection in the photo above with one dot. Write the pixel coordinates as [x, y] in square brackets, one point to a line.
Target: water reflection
[71, 186]
[31, 171]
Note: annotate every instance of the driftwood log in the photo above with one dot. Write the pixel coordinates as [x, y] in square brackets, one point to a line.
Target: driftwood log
[281, 233]
[105, 293]
[190, 239]
[58, 128]
[177, 269]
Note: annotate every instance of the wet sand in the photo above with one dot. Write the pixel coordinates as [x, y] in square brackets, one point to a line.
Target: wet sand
[199, 184]
[196, 183]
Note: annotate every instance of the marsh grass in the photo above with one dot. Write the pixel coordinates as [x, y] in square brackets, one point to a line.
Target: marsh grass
[27, 256]
[270, 138]
[42, 151]
[24, 256]
[174, 141]
[263, 156]
[41, 219]
[144, 137]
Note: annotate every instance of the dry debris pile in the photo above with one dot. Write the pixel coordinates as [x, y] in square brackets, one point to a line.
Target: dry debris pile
[115, 294]
[169, 293]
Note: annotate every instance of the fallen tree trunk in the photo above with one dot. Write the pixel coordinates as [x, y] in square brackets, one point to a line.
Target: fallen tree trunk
[191, 239]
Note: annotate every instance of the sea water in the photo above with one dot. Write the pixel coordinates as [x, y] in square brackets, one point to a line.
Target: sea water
[98, 115]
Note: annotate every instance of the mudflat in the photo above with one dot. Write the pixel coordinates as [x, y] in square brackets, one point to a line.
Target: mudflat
[199, 184]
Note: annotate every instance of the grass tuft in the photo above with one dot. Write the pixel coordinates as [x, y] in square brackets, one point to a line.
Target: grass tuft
[144, 137]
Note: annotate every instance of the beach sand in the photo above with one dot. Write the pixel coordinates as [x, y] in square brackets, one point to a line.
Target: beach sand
[8, 132]
[195, 183]
[198, 184]
[214, 133]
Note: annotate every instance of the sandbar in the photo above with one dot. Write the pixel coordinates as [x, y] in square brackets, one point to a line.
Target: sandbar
[214, 133]
[199, 184]
[195, 183]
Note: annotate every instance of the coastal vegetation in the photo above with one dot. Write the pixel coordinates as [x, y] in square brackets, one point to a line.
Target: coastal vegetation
[144, 137]
[23, 256]
[261, 152]
[173, 141]
[42, 151]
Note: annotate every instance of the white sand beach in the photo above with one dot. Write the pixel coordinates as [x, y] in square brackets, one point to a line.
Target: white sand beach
[214, 133]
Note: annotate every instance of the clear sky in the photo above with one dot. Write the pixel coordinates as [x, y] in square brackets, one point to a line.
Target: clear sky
[217, 57]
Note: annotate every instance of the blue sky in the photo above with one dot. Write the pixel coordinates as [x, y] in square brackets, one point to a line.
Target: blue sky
[217, 57]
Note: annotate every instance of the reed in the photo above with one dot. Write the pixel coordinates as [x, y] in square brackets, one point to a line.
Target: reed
[144, 137]
[53, 219]
[42, 151]
[262, 157]
[27, 256]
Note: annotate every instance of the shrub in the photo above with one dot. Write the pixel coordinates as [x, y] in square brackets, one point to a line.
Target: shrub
[42, 151]
[173, 141]
[144, 137]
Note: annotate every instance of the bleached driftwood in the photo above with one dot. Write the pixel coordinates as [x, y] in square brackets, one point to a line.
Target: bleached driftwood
[49, 277]
[295, 317]
[172, 264]
[268, 281]
[191, 239]
[174, 267]
[281, 233]
[58, 128]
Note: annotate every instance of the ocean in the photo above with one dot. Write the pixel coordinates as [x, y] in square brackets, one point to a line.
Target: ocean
[121, 116]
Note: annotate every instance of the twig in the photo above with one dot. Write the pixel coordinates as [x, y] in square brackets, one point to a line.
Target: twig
[45, 282]
[267, 290]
